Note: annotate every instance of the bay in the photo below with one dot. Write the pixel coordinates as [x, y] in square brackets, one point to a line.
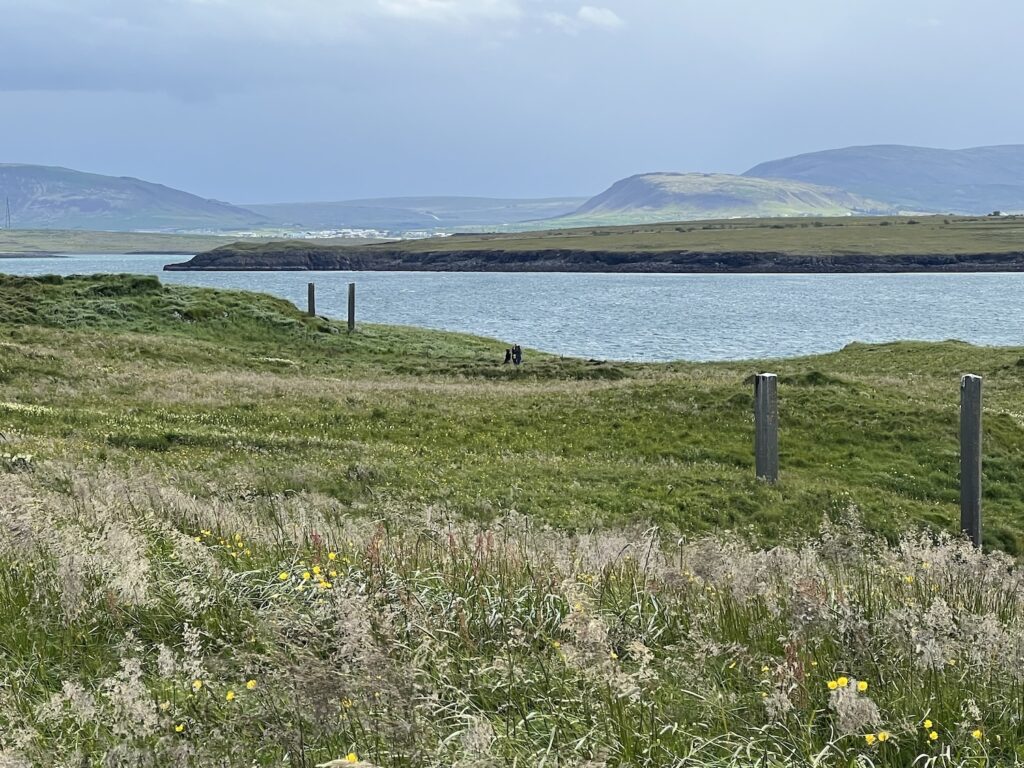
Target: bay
[634, 317]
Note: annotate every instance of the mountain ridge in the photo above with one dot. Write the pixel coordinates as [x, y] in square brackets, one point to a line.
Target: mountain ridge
[54, 197]
[971, 181]
[874, 179]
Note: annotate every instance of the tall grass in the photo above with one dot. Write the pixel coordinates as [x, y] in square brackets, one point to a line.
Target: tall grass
[139, 626]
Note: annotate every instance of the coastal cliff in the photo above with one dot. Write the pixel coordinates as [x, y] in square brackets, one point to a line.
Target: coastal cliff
[289, 257]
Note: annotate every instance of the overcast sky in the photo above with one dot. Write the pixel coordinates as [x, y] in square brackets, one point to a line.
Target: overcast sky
[299, 100]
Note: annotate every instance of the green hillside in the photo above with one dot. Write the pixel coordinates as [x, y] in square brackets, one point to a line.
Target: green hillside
[43, 197]
[970, 181]
[688, 196]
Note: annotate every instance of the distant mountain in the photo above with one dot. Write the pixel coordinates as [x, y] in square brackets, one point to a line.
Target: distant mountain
[403, 214]
[653, 197]
[971, 181]
[44, 197]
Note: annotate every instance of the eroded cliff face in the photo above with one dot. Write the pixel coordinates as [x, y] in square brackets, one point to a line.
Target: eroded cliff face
[328, 258]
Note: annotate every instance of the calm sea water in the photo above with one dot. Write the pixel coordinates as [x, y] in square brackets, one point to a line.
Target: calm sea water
[636, 317]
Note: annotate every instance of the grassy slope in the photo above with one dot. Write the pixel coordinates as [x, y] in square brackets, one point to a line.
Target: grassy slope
[573, 442]
[197, 452]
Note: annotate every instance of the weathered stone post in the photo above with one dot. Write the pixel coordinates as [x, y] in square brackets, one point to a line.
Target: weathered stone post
[766, 427]
[312, 300]
[351, 307]
[970, 457]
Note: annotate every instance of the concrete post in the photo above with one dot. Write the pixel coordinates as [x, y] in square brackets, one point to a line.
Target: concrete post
[312, 300]
[351, 307]
[970, 457]
[766, 427]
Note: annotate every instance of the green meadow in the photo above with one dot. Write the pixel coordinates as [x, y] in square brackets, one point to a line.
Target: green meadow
[236, 535]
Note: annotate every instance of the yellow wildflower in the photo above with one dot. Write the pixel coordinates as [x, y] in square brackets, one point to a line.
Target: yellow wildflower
[306, 576]
[862, 686]
[230, 696]
[333, 574]
[933, 736]
[197, 684]
[325, 585]
[283, 575]
[238, 537]
[842, 682]
[883, 735]
[332, 555]
[870, 739]
[351, 758]
[179, 727]
[976, 734]
[832, 685]
[316, 569]
[250, 685]
[928, 725]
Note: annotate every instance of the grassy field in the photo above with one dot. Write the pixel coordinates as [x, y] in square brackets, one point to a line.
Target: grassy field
[30, 241]
[34, 241]
[878, 236]
[235, 535]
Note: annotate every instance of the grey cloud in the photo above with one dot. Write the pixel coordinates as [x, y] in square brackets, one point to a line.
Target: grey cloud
[289, 99]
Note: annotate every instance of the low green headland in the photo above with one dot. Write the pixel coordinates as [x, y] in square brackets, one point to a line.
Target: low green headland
[232, 534]
[33, 242]
[844, 244]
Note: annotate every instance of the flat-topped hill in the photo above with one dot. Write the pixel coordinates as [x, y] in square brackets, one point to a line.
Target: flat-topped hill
[654, 197]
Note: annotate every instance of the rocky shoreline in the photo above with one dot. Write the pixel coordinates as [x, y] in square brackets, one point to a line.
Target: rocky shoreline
[553, 260]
